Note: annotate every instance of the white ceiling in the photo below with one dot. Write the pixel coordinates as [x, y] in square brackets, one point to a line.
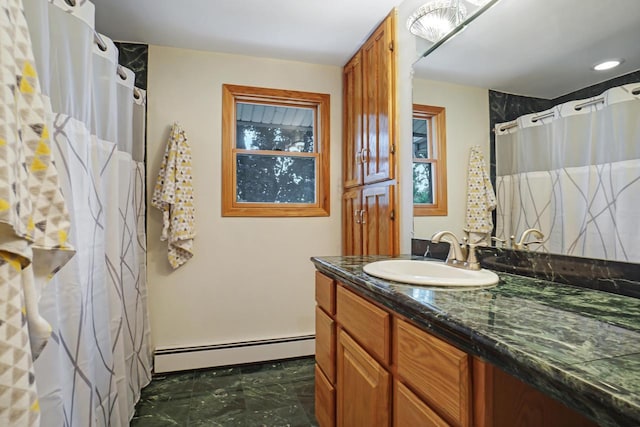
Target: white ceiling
[314, 31]
[540, 48]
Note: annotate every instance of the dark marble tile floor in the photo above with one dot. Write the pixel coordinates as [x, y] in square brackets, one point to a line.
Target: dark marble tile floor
[272, 394]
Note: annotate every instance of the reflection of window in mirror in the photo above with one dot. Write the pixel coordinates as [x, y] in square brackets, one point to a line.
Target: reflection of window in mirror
[275, 152]
[429, 161]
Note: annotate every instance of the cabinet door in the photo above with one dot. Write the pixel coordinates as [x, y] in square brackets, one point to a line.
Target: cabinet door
[351, 222]
[410, 411]
[502, 400]
[378, 220]
[363, 387]
[352, 125]
[378, 103]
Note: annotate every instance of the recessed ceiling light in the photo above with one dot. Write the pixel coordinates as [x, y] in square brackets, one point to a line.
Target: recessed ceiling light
[607, 65]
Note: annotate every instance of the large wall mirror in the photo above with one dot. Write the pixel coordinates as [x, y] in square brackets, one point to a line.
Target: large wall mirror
[521, 58]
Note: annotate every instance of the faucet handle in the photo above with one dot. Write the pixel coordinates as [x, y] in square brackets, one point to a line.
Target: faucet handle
[472, 260]
[502, 242]
[533, 242]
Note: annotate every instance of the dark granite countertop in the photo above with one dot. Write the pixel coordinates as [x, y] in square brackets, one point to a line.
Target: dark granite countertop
[579, 346]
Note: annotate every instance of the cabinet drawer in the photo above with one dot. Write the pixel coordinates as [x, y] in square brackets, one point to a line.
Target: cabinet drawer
[368, 324]
[326, 344]
[326, 293]
[325, 400]
[436, 370]
[409, 410]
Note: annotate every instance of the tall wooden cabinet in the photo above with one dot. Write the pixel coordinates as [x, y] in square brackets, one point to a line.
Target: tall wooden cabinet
[370, 187]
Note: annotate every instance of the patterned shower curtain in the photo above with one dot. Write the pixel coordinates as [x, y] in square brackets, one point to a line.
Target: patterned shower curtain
[574, 173]
[99, 355]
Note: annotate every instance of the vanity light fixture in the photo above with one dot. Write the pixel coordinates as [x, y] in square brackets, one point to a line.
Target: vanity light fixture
[608, 64]
[435, 19]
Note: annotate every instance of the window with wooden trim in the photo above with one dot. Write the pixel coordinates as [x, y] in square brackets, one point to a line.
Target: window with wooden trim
[275, 152]
[429, 161]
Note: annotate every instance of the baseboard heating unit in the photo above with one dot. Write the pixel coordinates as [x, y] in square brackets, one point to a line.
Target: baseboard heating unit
[172, 359]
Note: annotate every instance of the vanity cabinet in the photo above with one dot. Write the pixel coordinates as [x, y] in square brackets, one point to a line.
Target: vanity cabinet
[376, 368]
[369, 225]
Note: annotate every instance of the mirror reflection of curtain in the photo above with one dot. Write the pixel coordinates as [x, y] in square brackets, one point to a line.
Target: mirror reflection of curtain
[574, 173]
[99, 356]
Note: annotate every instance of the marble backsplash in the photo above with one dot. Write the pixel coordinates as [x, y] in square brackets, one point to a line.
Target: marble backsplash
[135, 57]
[609, 276]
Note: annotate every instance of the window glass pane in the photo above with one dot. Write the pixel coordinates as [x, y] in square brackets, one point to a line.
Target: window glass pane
[275, 179]
[420, 138]
[276, 128]
[422, 183]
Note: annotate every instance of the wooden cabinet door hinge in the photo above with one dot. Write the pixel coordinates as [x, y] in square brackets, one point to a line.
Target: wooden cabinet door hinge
[392, 214]
[392, 149]
[391, 46]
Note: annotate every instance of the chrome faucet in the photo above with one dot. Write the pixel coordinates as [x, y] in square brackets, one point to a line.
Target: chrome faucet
[522, 243]
[460, 255]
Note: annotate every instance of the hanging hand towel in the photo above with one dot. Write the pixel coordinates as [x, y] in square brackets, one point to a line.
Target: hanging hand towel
[173, 195]
[481, 199]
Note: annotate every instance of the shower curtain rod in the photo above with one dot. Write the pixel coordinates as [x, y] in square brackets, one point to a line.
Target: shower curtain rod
[590, 102]
[507, 127]
[578, 107]
[542, 116]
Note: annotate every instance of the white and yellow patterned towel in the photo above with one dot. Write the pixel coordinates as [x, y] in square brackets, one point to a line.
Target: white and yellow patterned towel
[34, 221]
[481, 199]
[173, 195]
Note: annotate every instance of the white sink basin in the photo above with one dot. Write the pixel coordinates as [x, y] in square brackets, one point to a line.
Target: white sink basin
[429, 273]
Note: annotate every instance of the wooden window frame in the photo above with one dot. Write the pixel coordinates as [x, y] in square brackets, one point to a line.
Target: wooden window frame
[231, 95]
[436, 116]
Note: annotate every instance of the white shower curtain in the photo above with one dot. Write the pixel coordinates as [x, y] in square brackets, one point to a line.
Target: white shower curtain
[574, 173]
[99, 356]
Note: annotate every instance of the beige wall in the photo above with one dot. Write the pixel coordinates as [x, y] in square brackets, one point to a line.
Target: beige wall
[467, 110]
[251, 278]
